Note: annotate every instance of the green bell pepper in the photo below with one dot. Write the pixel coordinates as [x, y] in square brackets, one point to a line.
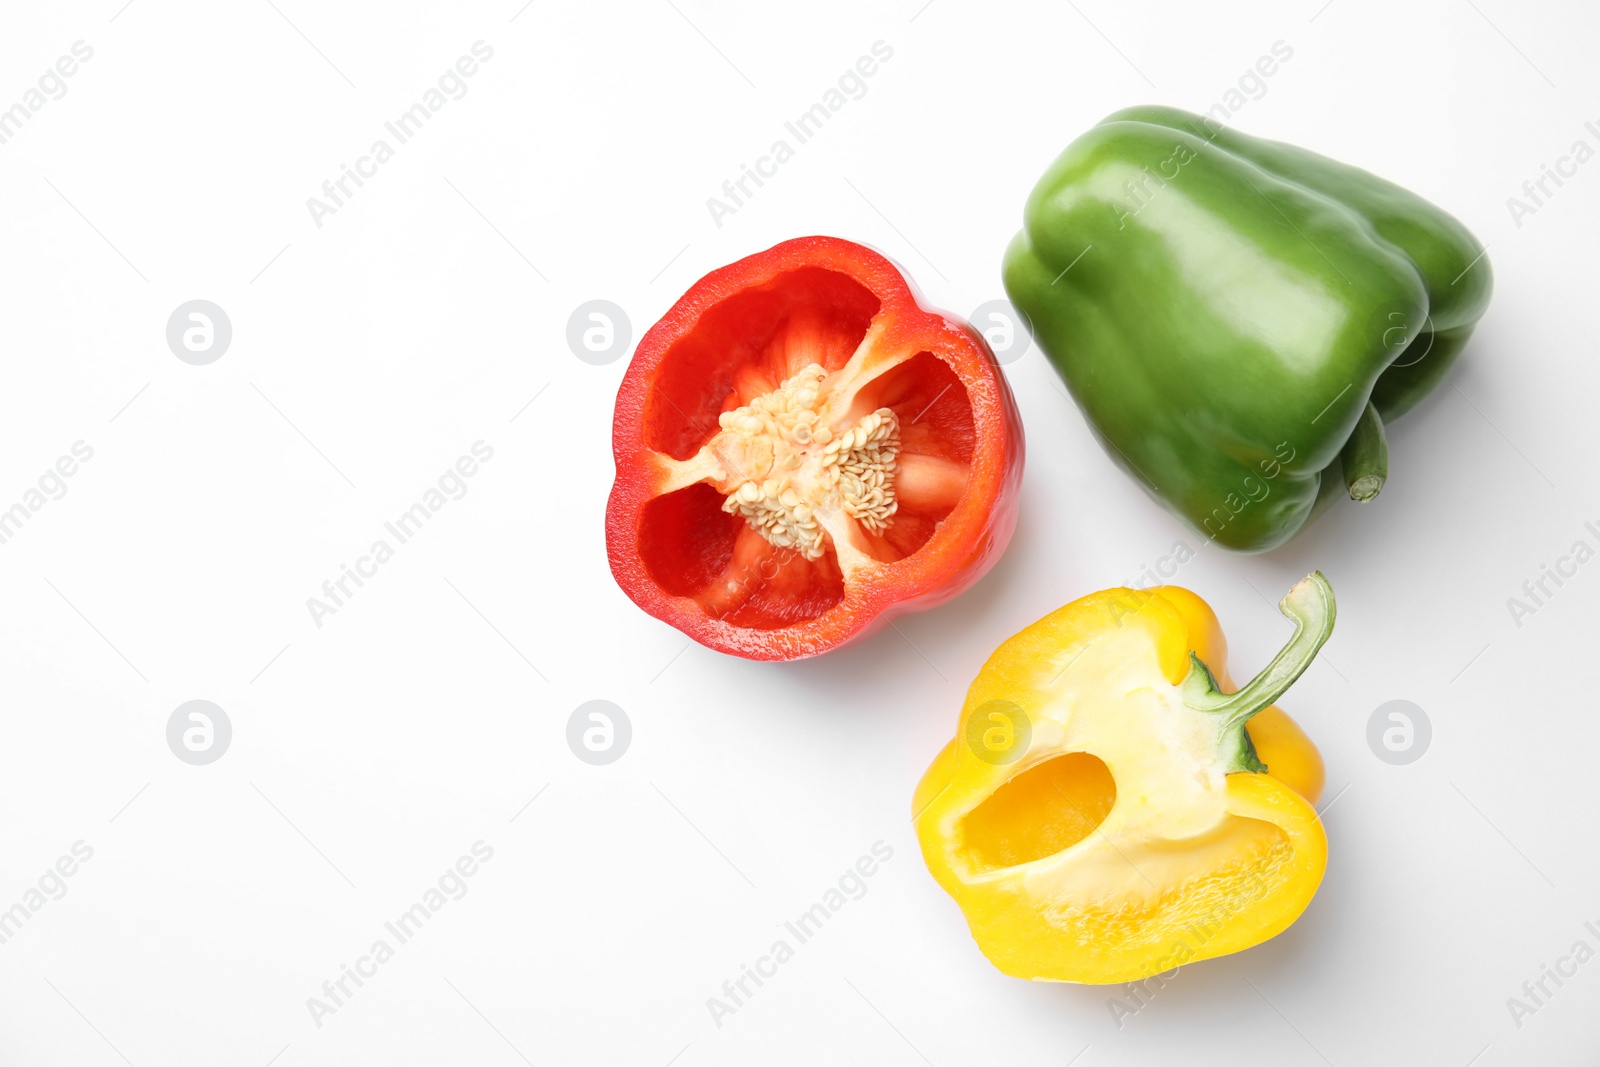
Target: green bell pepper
[1238, 318]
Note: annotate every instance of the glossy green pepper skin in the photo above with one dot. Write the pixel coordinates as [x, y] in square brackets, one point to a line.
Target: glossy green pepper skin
[1224, 309]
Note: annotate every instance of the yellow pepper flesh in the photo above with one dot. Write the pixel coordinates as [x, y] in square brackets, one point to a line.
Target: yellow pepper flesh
[1094, 817]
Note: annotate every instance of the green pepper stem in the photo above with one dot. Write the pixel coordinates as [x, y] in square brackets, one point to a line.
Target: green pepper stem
[1365, 457]
[1310, 604]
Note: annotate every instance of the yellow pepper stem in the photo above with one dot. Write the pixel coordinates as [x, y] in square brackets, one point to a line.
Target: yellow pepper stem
[1311, 606]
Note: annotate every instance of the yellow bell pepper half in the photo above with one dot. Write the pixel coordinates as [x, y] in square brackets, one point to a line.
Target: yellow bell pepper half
[1112, 808]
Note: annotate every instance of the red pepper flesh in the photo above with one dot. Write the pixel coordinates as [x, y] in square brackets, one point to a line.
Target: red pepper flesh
[733, 520]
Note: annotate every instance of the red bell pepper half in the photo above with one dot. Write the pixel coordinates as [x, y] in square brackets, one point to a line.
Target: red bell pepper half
[804, 450]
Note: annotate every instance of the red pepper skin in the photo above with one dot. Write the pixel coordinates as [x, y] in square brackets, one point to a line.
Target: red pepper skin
[963, 544]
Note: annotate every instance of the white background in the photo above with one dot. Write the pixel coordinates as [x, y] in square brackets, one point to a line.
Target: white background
[370, 353]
